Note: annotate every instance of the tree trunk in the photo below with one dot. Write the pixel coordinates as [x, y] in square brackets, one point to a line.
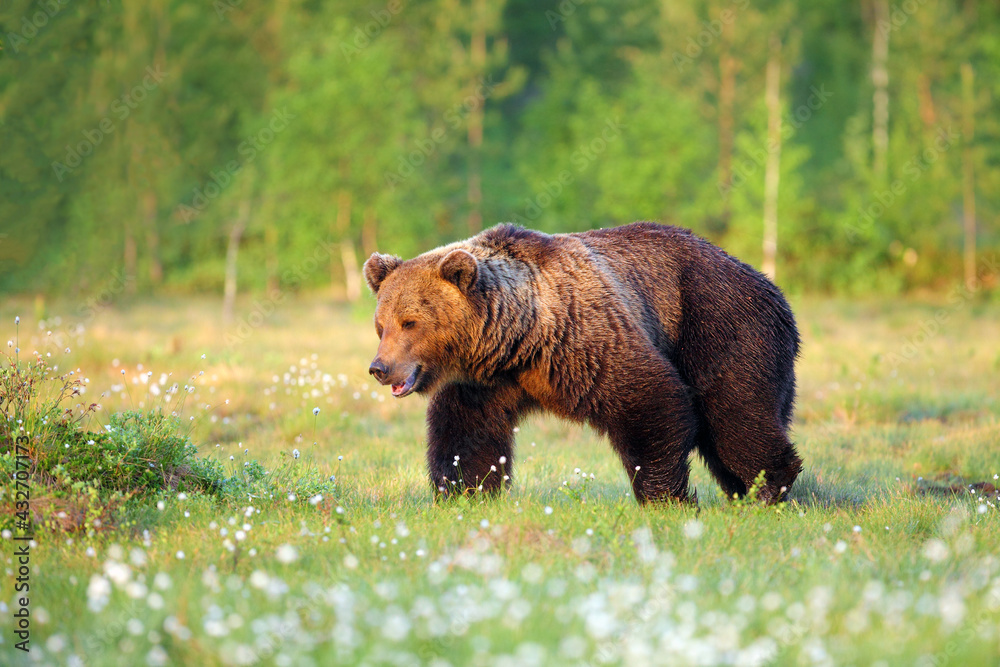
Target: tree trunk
[968, 177]
[727, 93]
[772, 168]
[352, 275]
[927, 112]
[369, 241]
[152, 237]
[880, 100]
[477, 59]
[130, 257]
[348, 256]
[342, 226]
[271, 255]
[232, 255]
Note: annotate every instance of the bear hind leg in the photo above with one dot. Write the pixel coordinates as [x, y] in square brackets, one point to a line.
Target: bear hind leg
[736, 451]
[730, 482]
[652, 426]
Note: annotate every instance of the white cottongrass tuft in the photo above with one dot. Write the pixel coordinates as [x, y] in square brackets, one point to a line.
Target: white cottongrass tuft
[287, 554]
[694, 529]
[935, 550]
[98, 592]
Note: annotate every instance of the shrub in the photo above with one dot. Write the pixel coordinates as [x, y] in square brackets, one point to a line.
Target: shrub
[85, 480]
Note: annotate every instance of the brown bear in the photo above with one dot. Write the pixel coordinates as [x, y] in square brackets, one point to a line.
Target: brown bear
[647, 332]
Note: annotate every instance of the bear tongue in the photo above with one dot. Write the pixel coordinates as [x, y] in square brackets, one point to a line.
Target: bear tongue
[407, 385]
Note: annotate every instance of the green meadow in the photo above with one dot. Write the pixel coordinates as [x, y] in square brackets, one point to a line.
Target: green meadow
[270, 534]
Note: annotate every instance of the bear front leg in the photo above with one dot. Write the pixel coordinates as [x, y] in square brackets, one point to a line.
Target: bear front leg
[470, 437]
[652, 424]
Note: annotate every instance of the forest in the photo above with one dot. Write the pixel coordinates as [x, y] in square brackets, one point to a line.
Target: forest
[178, 147]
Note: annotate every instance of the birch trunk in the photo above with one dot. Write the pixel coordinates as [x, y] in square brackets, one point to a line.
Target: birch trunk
[727, 93]
[232, 257]
[968, 177]
[880, 100]
[477, 59]
[149, 201]
[772, 96]
[348, 257]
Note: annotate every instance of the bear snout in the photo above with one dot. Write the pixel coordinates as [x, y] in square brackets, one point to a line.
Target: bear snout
[379, 371]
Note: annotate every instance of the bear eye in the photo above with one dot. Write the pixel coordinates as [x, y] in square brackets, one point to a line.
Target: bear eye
[409, 324]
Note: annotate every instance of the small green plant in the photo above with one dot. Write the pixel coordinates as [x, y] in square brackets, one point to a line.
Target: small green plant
[85, 480]
[750, 498]
[251, 480]
[33, 396]
[751, 501]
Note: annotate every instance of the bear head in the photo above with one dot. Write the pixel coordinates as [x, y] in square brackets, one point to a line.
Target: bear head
[424, 318]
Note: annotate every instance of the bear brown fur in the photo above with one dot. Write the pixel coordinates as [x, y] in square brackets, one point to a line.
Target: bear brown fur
[647, 332]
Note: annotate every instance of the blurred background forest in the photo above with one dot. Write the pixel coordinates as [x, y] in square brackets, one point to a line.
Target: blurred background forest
[179, 147]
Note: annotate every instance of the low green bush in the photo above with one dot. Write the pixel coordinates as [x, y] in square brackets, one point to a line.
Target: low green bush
[81, 478]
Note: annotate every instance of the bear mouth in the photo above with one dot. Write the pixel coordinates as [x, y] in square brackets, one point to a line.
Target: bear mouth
[401, 390]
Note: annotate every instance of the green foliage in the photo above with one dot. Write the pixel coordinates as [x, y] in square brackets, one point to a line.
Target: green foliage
[137, 136]
[32, 398]
[83, 480]
[252, 481]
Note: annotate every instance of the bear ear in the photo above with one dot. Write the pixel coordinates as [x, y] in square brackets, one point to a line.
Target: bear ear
[460, 268]
[378, 267]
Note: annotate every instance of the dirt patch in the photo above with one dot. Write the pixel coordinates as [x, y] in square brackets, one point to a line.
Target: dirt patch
[949, 484]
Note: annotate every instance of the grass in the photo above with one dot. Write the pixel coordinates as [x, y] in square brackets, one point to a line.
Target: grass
[884, 556]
